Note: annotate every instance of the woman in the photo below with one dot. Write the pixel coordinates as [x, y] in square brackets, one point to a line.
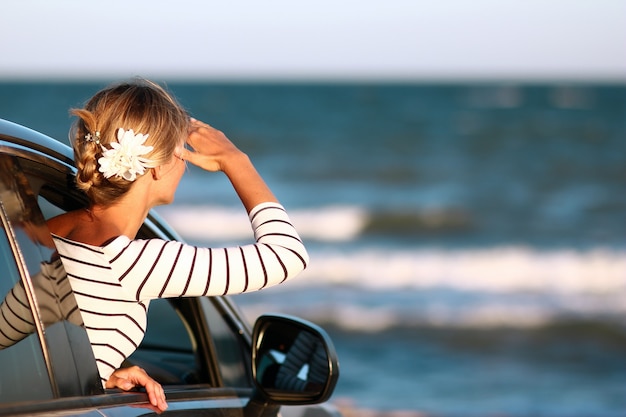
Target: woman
[129, 147]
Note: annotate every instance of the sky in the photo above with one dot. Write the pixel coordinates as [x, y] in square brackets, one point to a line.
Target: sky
[314, 39]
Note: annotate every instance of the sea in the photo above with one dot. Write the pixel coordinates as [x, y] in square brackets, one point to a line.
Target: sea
[467, 240]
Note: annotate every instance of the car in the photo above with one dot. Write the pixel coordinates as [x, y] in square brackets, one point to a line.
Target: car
[210, 360]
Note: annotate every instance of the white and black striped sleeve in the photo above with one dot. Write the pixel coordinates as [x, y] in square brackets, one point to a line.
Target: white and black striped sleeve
[150, 269]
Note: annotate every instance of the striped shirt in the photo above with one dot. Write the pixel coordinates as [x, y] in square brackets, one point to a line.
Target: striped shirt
[113, 284]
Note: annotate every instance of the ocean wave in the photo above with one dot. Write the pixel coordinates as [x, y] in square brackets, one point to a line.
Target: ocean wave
[491, 269]
[333, 223]
[379, 287]
[496, 270]
[517, 287]
[210, 223]
[438, 313]
[353, 314]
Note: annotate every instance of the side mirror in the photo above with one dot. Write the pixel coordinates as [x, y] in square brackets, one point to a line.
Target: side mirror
[294, 361]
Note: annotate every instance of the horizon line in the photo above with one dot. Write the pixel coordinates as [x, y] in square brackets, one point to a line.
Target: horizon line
[293, 79]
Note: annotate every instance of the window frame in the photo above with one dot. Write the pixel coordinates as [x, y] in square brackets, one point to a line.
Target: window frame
[59, 182]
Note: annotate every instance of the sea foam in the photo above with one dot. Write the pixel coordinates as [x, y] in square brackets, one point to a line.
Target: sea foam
[210, 223]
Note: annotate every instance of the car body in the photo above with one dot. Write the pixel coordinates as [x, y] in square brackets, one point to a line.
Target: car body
[201, 349]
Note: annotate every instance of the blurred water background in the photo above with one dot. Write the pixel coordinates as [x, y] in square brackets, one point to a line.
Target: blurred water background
[468, 241]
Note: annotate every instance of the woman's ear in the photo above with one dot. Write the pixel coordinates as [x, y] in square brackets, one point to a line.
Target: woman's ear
[156, 173]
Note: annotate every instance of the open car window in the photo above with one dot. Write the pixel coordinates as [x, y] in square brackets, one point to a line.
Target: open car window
[169, 351]
[184, 343]
[232, 353]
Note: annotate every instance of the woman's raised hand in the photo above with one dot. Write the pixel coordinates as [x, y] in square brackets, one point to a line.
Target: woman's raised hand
[210, 148]
[213, 151]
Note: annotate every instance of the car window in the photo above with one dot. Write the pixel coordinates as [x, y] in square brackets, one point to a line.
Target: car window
[166, 329]
[231, 350]
[23, 374]
[168, 351]
[57, 328]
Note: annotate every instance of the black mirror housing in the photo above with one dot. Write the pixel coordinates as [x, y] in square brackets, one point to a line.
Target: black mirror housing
[293, 361]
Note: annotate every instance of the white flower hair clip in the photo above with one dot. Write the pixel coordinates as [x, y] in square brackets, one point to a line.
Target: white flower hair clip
[125, 157]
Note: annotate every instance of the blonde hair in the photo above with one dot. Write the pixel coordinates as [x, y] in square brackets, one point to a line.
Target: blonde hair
[141, 105]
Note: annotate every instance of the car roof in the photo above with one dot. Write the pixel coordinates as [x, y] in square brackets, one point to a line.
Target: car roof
[16, 136]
